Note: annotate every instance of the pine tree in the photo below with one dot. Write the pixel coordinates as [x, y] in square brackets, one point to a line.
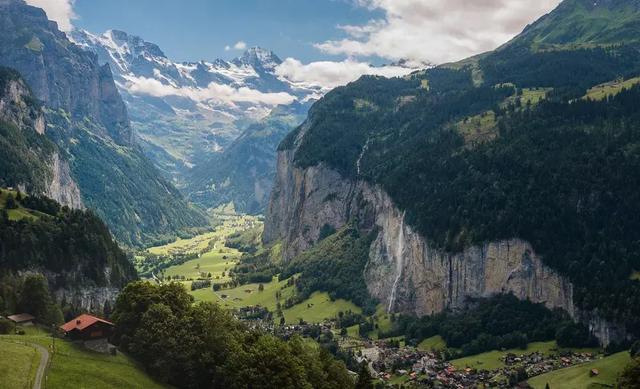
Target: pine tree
[364, 378]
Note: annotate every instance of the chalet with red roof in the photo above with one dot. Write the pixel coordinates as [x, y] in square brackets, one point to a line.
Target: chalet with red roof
[88, 328]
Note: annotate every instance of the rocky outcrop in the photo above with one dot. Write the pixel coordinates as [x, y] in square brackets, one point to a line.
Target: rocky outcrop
[88, 299]
[62, 187]
[404, 272]
[54, 179]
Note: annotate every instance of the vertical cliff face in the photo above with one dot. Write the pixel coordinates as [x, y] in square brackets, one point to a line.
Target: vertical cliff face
[36, 165]
[61, 75]
[404, 272]
[62, 186]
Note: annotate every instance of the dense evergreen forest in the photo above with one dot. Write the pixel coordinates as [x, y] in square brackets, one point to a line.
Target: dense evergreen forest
[74, 244]
[501, 322]
[561, 173]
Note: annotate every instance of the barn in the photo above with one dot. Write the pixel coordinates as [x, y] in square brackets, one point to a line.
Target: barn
[88, 328]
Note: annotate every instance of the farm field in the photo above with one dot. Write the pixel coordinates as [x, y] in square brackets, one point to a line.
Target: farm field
[491, 360]
[578, 376]
[74, 367]
[17, 365]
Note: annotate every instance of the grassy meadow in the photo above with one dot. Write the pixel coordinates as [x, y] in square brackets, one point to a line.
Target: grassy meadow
[19, 213]
[579, 376]
[600, 92]
[491, 360]
[18, 364]
[74, 367]
[433, 343]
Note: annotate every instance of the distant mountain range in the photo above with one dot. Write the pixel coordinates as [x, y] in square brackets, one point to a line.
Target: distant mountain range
[187, 115]
[83, 114]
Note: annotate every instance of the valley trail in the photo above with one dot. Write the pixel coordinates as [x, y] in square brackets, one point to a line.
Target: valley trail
[44, 362]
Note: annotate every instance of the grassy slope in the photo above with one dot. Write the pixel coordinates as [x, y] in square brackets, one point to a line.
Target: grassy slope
[600, 92]
[18, 365]
[241, 297]
[491, 360]
[19, 213]
[317, 308]
[74, 367]
[578, 376]
[433, 343]
[213, 262]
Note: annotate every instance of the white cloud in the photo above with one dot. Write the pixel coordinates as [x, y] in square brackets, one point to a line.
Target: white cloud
[240, 45]
[437, 30]
[60, 11]
[214, 92]
[328, 74]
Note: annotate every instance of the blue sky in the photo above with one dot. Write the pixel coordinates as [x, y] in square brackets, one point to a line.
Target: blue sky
[191, 30]
[362, 31]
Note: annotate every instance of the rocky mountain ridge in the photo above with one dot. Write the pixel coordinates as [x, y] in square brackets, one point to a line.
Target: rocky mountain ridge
[205, 105]
[88, 121]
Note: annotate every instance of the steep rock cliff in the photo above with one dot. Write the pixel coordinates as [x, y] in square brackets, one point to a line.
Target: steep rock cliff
[404, 272]
[36, 165]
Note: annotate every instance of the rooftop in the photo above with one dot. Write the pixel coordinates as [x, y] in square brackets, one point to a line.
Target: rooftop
[83, 321]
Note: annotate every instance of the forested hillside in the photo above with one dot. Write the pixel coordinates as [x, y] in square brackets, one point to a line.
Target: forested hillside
[504, 146]
[73, 248]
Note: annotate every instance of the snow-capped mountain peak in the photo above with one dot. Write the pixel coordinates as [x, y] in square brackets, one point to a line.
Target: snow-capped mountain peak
[121, 49]
[259, 58]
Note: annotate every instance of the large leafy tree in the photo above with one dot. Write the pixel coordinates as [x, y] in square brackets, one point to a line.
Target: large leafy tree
[203, 346]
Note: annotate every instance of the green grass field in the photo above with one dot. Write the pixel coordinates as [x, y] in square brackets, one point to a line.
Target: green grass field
[491, 360]
[318, 308]
[313, 310]
[479, 128]
[433, 343]
[19, 213]
[75, 367]
[600, 92]
[579, 377]
[217, 262]
[18, 364]
[247, 295]
[232, 224]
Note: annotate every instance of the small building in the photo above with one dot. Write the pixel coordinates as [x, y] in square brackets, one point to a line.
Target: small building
[23, 319]
[87, 328]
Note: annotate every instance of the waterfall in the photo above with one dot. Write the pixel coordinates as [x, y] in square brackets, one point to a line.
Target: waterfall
[364, 150]
[399, 264]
